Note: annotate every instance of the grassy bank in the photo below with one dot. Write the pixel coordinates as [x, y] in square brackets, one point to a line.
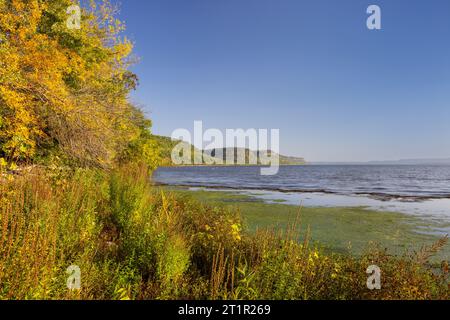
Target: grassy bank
[340, 229]
[134, 241]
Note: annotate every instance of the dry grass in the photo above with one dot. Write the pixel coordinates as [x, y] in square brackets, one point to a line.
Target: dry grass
[132, 241]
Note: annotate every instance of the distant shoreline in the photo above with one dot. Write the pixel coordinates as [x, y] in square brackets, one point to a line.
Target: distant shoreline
[309, 164]
[375, 195]
[229, 165]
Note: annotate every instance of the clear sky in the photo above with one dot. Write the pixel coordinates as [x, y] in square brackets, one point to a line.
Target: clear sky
[336, 90]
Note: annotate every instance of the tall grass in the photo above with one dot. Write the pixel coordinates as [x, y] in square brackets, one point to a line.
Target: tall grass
[134, 241]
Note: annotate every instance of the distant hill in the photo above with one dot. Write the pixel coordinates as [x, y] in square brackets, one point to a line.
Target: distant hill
[415, 162]
[284, 160]
[166, 144]
[441, 161]
[289, 160]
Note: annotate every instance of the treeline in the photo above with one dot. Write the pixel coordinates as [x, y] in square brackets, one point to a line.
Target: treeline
[64, 91]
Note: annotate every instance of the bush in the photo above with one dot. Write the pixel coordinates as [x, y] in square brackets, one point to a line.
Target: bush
[132, 240]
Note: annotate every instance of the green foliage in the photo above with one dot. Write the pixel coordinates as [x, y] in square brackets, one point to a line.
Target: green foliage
[146, 147]
[64, 104]
[64, 92]
[134, 241]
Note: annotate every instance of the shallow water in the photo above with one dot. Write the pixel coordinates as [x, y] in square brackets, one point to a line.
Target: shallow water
[423, 191]
[383, 181]
[435, 213]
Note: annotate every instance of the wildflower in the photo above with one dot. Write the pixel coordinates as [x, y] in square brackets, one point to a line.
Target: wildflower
[337, 268]
[235, 231]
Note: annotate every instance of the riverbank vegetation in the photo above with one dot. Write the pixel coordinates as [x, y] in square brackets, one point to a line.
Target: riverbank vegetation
[75, 162]
[64, 92]
[337, 229]
[134, 241]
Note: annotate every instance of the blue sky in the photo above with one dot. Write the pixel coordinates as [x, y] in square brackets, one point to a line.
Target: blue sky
[336, 90]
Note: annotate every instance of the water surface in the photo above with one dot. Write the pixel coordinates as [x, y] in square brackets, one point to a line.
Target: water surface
[397, 181]
[413, 189]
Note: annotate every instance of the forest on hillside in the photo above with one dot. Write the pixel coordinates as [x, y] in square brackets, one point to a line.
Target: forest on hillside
[64, 91]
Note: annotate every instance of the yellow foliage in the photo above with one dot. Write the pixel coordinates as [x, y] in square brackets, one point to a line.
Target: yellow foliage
[63, 89]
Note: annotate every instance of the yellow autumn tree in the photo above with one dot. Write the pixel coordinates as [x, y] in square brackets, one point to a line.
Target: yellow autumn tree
[64, 91]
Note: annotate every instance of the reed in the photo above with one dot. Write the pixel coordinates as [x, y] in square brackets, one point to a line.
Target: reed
[133, 241]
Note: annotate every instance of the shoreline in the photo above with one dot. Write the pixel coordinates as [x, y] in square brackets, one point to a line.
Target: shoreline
[337, 228]
[375, 195]
[430, 209]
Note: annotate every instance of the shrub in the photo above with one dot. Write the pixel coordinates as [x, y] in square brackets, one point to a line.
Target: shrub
[132, 240]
